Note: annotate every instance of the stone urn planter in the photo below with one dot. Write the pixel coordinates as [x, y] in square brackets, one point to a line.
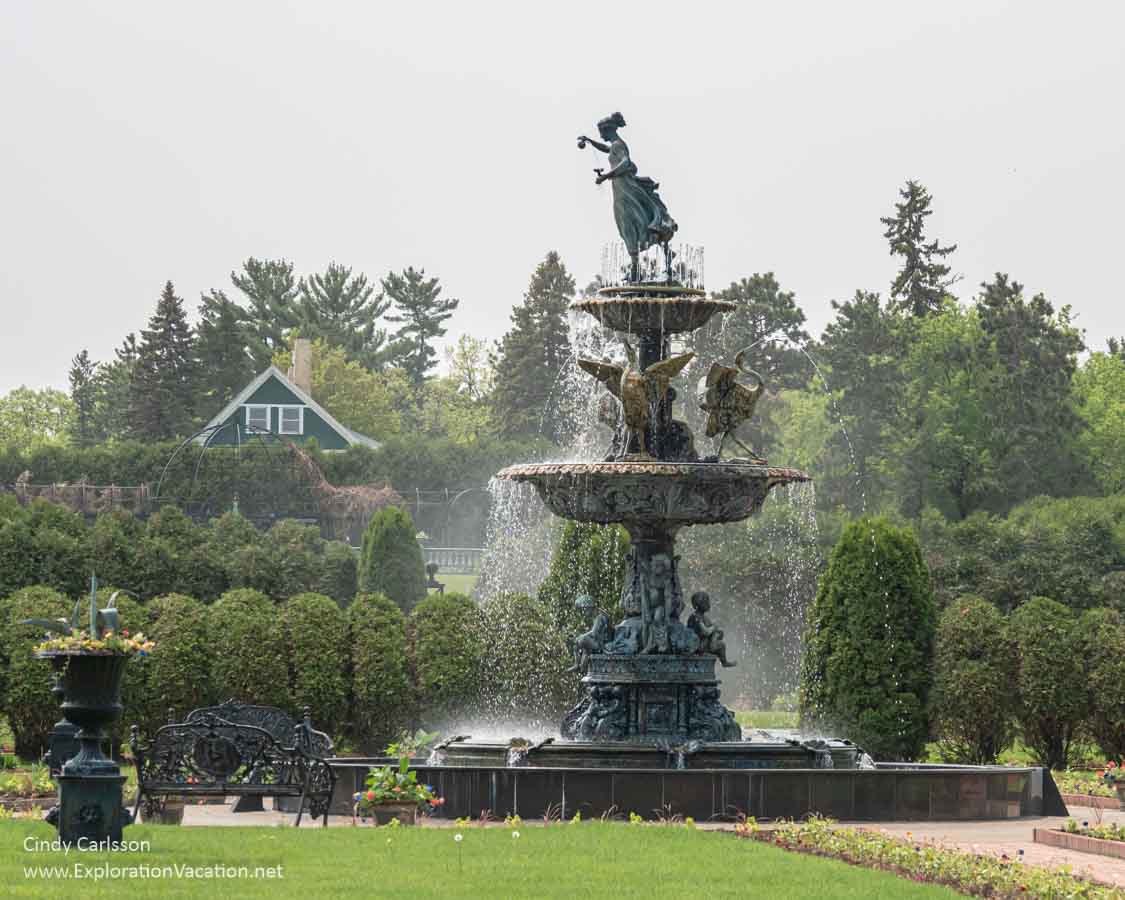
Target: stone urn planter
[90, 784]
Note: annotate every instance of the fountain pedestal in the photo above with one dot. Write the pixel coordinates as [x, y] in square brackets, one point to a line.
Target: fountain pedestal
[657, 699]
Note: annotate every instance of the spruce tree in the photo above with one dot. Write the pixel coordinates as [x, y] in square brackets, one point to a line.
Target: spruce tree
[532, 353]
[338, 308]
[113, 385]
[84, 394]
[922, 282]
[271, 289]
[165, 381]
[421, 311]
[223, 340]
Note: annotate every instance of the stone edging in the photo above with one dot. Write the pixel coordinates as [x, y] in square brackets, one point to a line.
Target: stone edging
[1066, 841]
[1091, 801]
[23, 804]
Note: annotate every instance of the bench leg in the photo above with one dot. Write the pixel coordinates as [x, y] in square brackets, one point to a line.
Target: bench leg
[301, 805]
[248, 804]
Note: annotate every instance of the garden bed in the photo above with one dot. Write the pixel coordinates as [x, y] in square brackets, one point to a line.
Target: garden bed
[1092, 801]
[1077, 840]
[970, 873]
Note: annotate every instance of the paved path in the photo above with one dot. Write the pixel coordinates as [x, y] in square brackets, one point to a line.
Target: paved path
[997, 837]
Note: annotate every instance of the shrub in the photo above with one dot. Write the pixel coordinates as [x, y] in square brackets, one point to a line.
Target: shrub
[338, 572]
[866, 670]
[180, 670]
[445, 654]
[588, 559]
[134, 683]
[1102, 637]
[248, 661]
[316, 639]
[381, 690]
[111, 544]
[1049, 679]
[974, 700]
[297, 551]
[28, 704]
[524, 661]
[391, 562]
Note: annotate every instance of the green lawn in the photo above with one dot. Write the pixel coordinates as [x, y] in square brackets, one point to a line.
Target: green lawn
[458, 584]
[766, 718]
[592, 859]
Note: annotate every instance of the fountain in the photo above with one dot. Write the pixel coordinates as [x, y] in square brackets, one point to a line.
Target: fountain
[649, 731]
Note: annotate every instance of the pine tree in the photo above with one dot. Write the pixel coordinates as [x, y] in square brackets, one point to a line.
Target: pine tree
[84, 394]
[922, 283]
[165, 381]
[271, 289]
[223, 340]
[338, 308]
[530, 355]
[421, 311]
[113, 385]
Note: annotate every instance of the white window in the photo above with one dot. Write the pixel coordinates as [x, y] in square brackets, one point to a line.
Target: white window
[258, 418]
[292, 420]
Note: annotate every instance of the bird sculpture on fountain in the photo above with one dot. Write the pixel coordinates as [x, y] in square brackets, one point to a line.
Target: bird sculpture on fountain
[640, 392]
[729, 403]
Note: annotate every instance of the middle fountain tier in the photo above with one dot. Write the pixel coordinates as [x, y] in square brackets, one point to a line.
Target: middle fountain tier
[651, 678]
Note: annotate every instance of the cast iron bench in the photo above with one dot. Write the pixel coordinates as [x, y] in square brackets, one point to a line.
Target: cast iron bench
[211, 757]
[281, 727]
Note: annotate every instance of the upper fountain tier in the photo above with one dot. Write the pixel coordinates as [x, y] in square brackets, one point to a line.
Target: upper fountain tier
[647, 308]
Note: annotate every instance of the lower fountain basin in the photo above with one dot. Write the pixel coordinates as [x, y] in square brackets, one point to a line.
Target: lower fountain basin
[674, 494]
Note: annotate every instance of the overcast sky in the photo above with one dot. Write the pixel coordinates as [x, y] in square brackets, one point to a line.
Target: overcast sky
[145, 141]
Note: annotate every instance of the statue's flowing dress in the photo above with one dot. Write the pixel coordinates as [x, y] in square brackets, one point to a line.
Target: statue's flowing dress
[642, 218]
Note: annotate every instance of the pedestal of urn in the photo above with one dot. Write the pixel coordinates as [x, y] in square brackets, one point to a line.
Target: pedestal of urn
[651, 699]
[90, 799]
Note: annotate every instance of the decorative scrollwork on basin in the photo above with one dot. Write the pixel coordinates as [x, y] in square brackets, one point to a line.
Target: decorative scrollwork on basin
[638, 314]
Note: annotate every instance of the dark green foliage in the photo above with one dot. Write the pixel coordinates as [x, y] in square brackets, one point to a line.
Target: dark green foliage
[1102, 640]
[84, 393]
[338, 308]
[223, 340]
[421, 311]
[42, 544]
[113, 391]
[974, 701]
[248, 649]
[270, 287]
[922, 282]
[588, 559]
[866, 673]
[25, 682]
[381, 697]
[338, 572]
[1052, 695]
[525, 657]
[166, 374]
[180, 670]
[391, 562]
[316, 642]
[525, 400]
[446, 650]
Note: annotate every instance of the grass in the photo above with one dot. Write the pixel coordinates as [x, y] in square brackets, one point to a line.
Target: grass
[766, 718]
[592, 859]
[458, 584]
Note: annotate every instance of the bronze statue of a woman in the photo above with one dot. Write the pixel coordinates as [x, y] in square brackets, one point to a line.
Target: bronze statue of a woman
[642, 218]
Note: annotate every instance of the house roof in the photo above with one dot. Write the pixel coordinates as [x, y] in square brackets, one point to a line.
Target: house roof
[352, 437]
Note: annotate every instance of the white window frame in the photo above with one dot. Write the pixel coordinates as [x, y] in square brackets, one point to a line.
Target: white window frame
[258, 406]
[281, 410]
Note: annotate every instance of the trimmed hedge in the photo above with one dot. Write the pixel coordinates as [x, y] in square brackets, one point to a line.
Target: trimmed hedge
[248, 661]
[316, 635]
[974, 670]
[180, 670]
[1103, 652]
[391, 562]
[27, 701]
[381, 691]
[1052, 694]
[867, 672]
[445, 647]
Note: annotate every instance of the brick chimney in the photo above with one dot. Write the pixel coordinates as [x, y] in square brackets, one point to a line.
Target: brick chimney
[300, 373]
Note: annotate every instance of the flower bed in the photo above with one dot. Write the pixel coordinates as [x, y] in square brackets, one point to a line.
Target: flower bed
[1105, 840]
[1084, 782]
[976, 875]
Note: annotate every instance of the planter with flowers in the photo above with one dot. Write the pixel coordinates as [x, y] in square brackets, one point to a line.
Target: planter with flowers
[394, 794]
[89, 664]
[1114, 776]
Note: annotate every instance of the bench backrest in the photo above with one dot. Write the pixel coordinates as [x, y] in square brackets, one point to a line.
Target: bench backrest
[276, 721]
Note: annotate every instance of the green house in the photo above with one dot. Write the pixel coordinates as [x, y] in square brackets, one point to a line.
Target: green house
[272, 404]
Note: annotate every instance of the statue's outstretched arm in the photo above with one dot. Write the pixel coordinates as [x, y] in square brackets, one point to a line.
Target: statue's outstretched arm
[583, 140]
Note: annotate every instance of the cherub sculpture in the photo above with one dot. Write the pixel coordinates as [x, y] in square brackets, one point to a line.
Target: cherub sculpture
[593, 641]
[639, 391]
[710, 636]
[728, 402]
